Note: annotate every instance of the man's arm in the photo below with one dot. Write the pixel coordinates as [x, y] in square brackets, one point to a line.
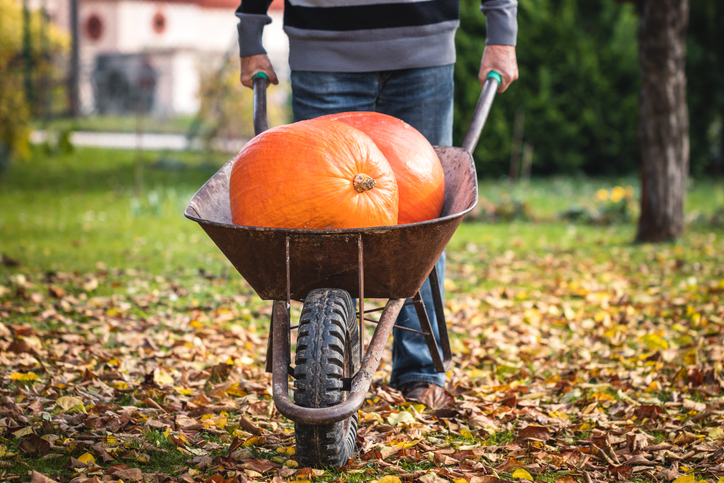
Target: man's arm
[499, 53]
[252, 19]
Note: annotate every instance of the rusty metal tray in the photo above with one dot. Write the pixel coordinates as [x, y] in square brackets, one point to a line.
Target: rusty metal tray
[397, 259]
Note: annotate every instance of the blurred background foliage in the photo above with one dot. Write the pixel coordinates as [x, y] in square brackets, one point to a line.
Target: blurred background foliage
[574, 109]
[227, 107]
[16, 55]
[705, 78]
[577, 97]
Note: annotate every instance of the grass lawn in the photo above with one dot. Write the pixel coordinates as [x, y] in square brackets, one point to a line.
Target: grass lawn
[72, 211]
[126, 124]
[130, 349]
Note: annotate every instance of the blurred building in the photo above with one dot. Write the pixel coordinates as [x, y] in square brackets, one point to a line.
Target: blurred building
[148, 54]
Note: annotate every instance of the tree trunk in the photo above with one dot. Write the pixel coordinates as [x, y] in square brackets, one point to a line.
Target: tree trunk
[663, 119]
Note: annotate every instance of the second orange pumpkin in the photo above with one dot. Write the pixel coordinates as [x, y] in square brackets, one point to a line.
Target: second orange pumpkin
[419, 174]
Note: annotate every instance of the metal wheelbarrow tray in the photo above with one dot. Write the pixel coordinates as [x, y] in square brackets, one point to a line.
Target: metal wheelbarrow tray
[389, 262]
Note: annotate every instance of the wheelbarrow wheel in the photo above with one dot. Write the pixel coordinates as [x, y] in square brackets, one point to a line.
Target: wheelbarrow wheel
[327, 352]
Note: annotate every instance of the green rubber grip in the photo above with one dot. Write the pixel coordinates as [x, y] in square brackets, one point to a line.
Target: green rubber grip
[259, 75]
[494, 75]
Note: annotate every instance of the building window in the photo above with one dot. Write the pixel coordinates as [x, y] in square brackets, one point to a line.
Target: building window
[159, 23]
[94, 27]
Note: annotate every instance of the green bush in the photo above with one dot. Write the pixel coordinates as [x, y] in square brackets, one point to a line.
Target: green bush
[705, 86]
[578, 87]
[226, 109]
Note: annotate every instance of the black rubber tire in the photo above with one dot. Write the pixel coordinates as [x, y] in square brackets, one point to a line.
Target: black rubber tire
[327, 351]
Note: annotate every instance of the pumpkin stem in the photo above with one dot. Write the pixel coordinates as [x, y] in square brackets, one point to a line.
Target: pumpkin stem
[363, 182]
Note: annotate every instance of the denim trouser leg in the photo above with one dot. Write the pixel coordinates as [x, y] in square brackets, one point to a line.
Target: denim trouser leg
[422, 98]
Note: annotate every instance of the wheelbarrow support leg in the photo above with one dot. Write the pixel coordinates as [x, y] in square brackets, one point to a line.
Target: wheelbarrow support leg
[441, 364]
[269, 363]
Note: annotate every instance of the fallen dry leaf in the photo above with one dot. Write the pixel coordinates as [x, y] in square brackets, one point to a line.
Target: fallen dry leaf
[606, 361]
[36, 477]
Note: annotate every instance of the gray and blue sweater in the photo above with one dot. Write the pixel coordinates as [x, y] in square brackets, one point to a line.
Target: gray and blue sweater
[371, 35]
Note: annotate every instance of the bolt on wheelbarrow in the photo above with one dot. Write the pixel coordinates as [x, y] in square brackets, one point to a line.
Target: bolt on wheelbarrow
[327, 269]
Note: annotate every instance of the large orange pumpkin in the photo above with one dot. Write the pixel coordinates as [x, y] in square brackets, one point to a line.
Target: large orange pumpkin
[317, 174]
[419, 174]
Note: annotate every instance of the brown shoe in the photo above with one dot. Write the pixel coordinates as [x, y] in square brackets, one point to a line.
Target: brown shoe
[413, 390]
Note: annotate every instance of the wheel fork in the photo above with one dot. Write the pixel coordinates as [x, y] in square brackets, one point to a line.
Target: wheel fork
[278, 360]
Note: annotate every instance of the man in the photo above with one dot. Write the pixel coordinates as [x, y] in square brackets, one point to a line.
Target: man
[390, 56]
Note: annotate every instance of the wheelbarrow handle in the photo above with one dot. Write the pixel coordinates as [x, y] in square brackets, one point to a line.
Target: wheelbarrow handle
[470, 140]
[481, 111]
[260, 81]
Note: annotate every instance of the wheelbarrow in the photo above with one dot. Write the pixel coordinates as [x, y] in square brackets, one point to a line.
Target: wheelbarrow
[327, 269]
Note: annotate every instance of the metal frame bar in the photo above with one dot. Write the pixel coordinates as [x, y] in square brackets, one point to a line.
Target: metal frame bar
[441, 323]
[279, 348]
[360, 382]
[361, 298]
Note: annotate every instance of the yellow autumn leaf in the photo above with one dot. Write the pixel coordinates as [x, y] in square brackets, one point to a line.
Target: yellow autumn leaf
[23, 432]
[162, 377]
[142, 457]
[717, 433]
[291, 464]
[234, 390]
[569, 313]
[4, 451]
[221, 421]
[405, 444]
[24, 376]
[449, 284]
[532, 316]
[465, 432]
[177, 436]
[654, 386]
[690, 358]
[602, 396]
[403, 417]
[655, 342]
[70, 404]
[523, 474]
[460, 480]
[389, 479]
[87, 459]
[686, 479]
[254, 441]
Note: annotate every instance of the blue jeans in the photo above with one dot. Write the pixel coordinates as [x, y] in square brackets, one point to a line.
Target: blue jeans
[423, 98]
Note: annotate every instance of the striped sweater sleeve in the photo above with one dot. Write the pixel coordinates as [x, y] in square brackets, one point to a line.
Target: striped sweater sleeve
[252, 19]
[501, 20]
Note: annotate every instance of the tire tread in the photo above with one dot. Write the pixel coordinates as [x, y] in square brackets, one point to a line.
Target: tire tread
[327, 328]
